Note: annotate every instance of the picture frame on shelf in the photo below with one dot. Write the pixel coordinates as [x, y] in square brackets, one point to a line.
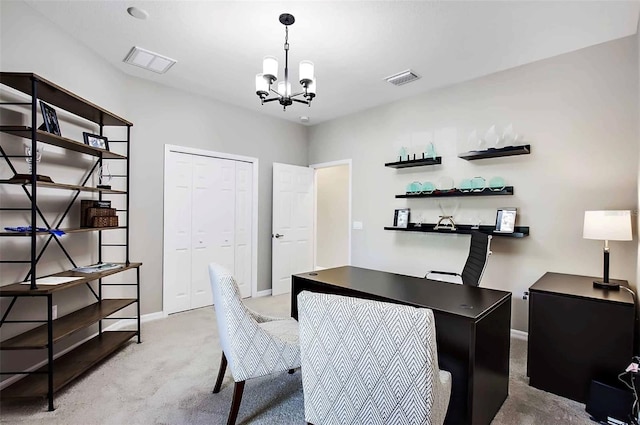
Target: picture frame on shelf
[505, 220]
[401, 217]
[50, 119]
[96, 141]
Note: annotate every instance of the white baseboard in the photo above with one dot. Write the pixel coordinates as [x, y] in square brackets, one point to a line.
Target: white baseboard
[264, 293]
[114, 327]
[120, 324]
[320, 268]
[524, 336]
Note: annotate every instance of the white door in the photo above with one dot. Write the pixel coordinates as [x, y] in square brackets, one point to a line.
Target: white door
[292, 230]
[205, 221]
[177, 243]
[202, 233]
[243, 228]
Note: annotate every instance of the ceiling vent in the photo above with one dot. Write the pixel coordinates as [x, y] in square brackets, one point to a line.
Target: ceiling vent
[148, 60]
[403, 77]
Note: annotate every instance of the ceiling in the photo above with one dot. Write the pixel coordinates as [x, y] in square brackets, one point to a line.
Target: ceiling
[219, 46]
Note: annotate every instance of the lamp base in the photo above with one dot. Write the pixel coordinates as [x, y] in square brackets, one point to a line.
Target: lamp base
[606, 285]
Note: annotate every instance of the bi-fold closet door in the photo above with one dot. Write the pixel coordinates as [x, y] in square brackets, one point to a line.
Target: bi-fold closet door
[208, 210]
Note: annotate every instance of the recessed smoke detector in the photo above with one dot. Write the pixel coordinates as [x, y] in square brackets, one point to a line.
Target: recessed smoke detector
[137, 13]
[403, 77]
[149, 60]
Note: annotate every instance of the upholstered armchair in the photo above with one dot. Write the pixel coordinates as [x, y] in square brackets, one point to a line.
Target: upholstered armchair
[369, 362]
[253, 345]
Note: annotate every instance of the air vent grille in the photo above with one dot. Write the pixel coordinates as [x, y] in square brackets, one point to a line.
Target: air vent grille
[403, 77]
[149, 60]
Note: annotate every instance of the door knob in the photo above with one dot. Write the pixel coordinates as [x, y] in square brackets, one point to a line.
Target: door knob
[277, 235]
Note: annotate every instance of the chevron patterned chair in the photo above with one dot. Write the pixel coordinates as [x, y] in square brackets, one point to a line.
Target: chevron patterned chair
[252, 344]
[369, 362]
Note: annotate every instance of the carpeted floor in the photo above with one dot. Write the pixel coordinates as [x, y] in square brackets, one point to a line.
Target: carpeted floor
[169, 377]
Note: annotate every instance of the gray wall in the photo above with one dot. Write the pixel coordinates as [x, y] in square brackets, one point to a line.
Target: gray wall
[579, 112]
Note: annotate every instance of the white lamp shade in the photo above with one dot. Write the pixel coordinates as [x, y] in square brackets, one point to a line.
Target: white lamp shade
[270, 67]
[306, 71]
[607, 225]
[311, 88]
[281, 89]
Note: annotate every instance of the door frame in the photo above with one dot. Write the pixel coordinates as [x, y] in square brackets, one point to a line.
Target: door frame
[315, 167]
[254, 207]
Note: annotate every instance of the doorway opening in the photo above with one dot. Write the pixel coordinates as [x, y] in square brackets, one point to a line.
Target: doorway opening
[332, 214]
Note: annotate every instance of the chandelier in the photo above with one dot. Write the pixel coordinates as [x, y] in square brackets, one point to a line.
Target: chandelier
[270, 74]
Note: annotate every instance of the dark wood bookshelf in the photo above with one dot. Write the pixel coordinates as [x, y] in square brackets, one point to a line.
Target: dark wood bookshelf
[70, 230]
[519, 231]
[63, 142]
[66, 325]
[50, 185]
[508, 190]
[20, 289]
[496, 152]
[415, 162]
[69, 366]
[55, 95]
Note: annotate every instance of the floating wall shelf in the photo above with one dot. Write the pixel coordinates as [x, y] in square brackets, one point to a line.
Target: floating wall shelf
[520, 231]
[415, 162]
[496, 152]
[508, 190]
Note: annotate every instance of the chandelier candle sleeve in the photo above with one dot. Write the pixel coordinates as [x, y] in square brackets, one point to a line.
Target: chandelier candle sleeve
[283, 92]
[270, 68]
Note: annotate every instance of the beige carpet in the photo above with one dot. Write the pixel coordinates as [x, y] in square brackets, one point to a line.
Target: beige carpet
[169, 377]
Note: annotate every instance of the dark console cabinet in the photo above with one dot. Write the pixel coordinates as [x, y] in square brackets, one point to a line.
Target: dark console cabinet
[577, 333]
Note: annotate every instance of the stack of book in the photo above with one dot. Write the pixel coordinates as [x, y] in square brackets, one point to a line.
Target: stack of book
[95, 213]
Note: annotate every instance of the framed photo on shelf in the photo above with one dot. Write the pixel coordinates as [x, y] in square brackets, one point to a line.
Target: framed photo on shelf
[505, 220]
[96, 141]
[50, 119]
[401, 218]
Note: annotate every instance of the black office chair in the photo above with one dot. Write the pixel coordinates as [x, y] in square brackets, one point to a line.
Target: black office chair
[473, 270]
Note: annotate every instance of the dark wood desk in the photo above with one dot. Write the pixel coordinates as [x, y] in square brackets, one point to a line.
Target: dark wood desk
[473, 327]
[577, 333]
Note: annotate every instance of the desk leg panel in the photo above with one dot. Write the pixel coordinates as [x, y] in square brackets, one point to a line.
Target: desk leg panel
[491, 363]
[453, 335]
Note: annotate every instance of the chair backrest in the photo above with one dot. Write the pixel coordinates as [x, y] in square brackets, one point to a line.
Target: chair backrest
[233, 317]
[477, 260]
[366, 362]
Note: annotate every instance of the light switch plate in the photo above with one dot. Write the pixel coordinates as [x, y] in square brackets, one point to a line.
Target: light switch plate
[357, 225]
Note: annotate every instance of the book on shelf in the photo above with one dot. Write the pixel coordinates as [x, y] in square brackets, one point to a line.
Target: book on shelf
[95, 206]
[98, 267]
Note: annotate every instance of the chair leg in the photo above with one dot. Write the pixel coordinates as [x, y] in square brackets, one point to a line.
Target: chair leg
[292, 371]
[223, 368]
[235, 404]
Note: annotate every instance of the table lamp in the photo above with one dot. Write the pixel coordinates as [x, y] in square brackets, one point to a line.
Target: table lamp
[607, 226]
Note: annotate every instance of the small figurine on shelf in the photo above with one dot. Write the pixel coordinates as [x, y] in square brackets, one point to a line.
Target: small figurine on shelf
[403, 154]
[430, 152]
[104, 177]
[446, 219]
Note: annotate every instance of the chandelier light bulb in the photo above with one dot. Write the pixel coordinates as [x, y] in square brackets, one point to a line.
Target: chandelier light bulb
[270, 67]
[282, 91]
[306, 72]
